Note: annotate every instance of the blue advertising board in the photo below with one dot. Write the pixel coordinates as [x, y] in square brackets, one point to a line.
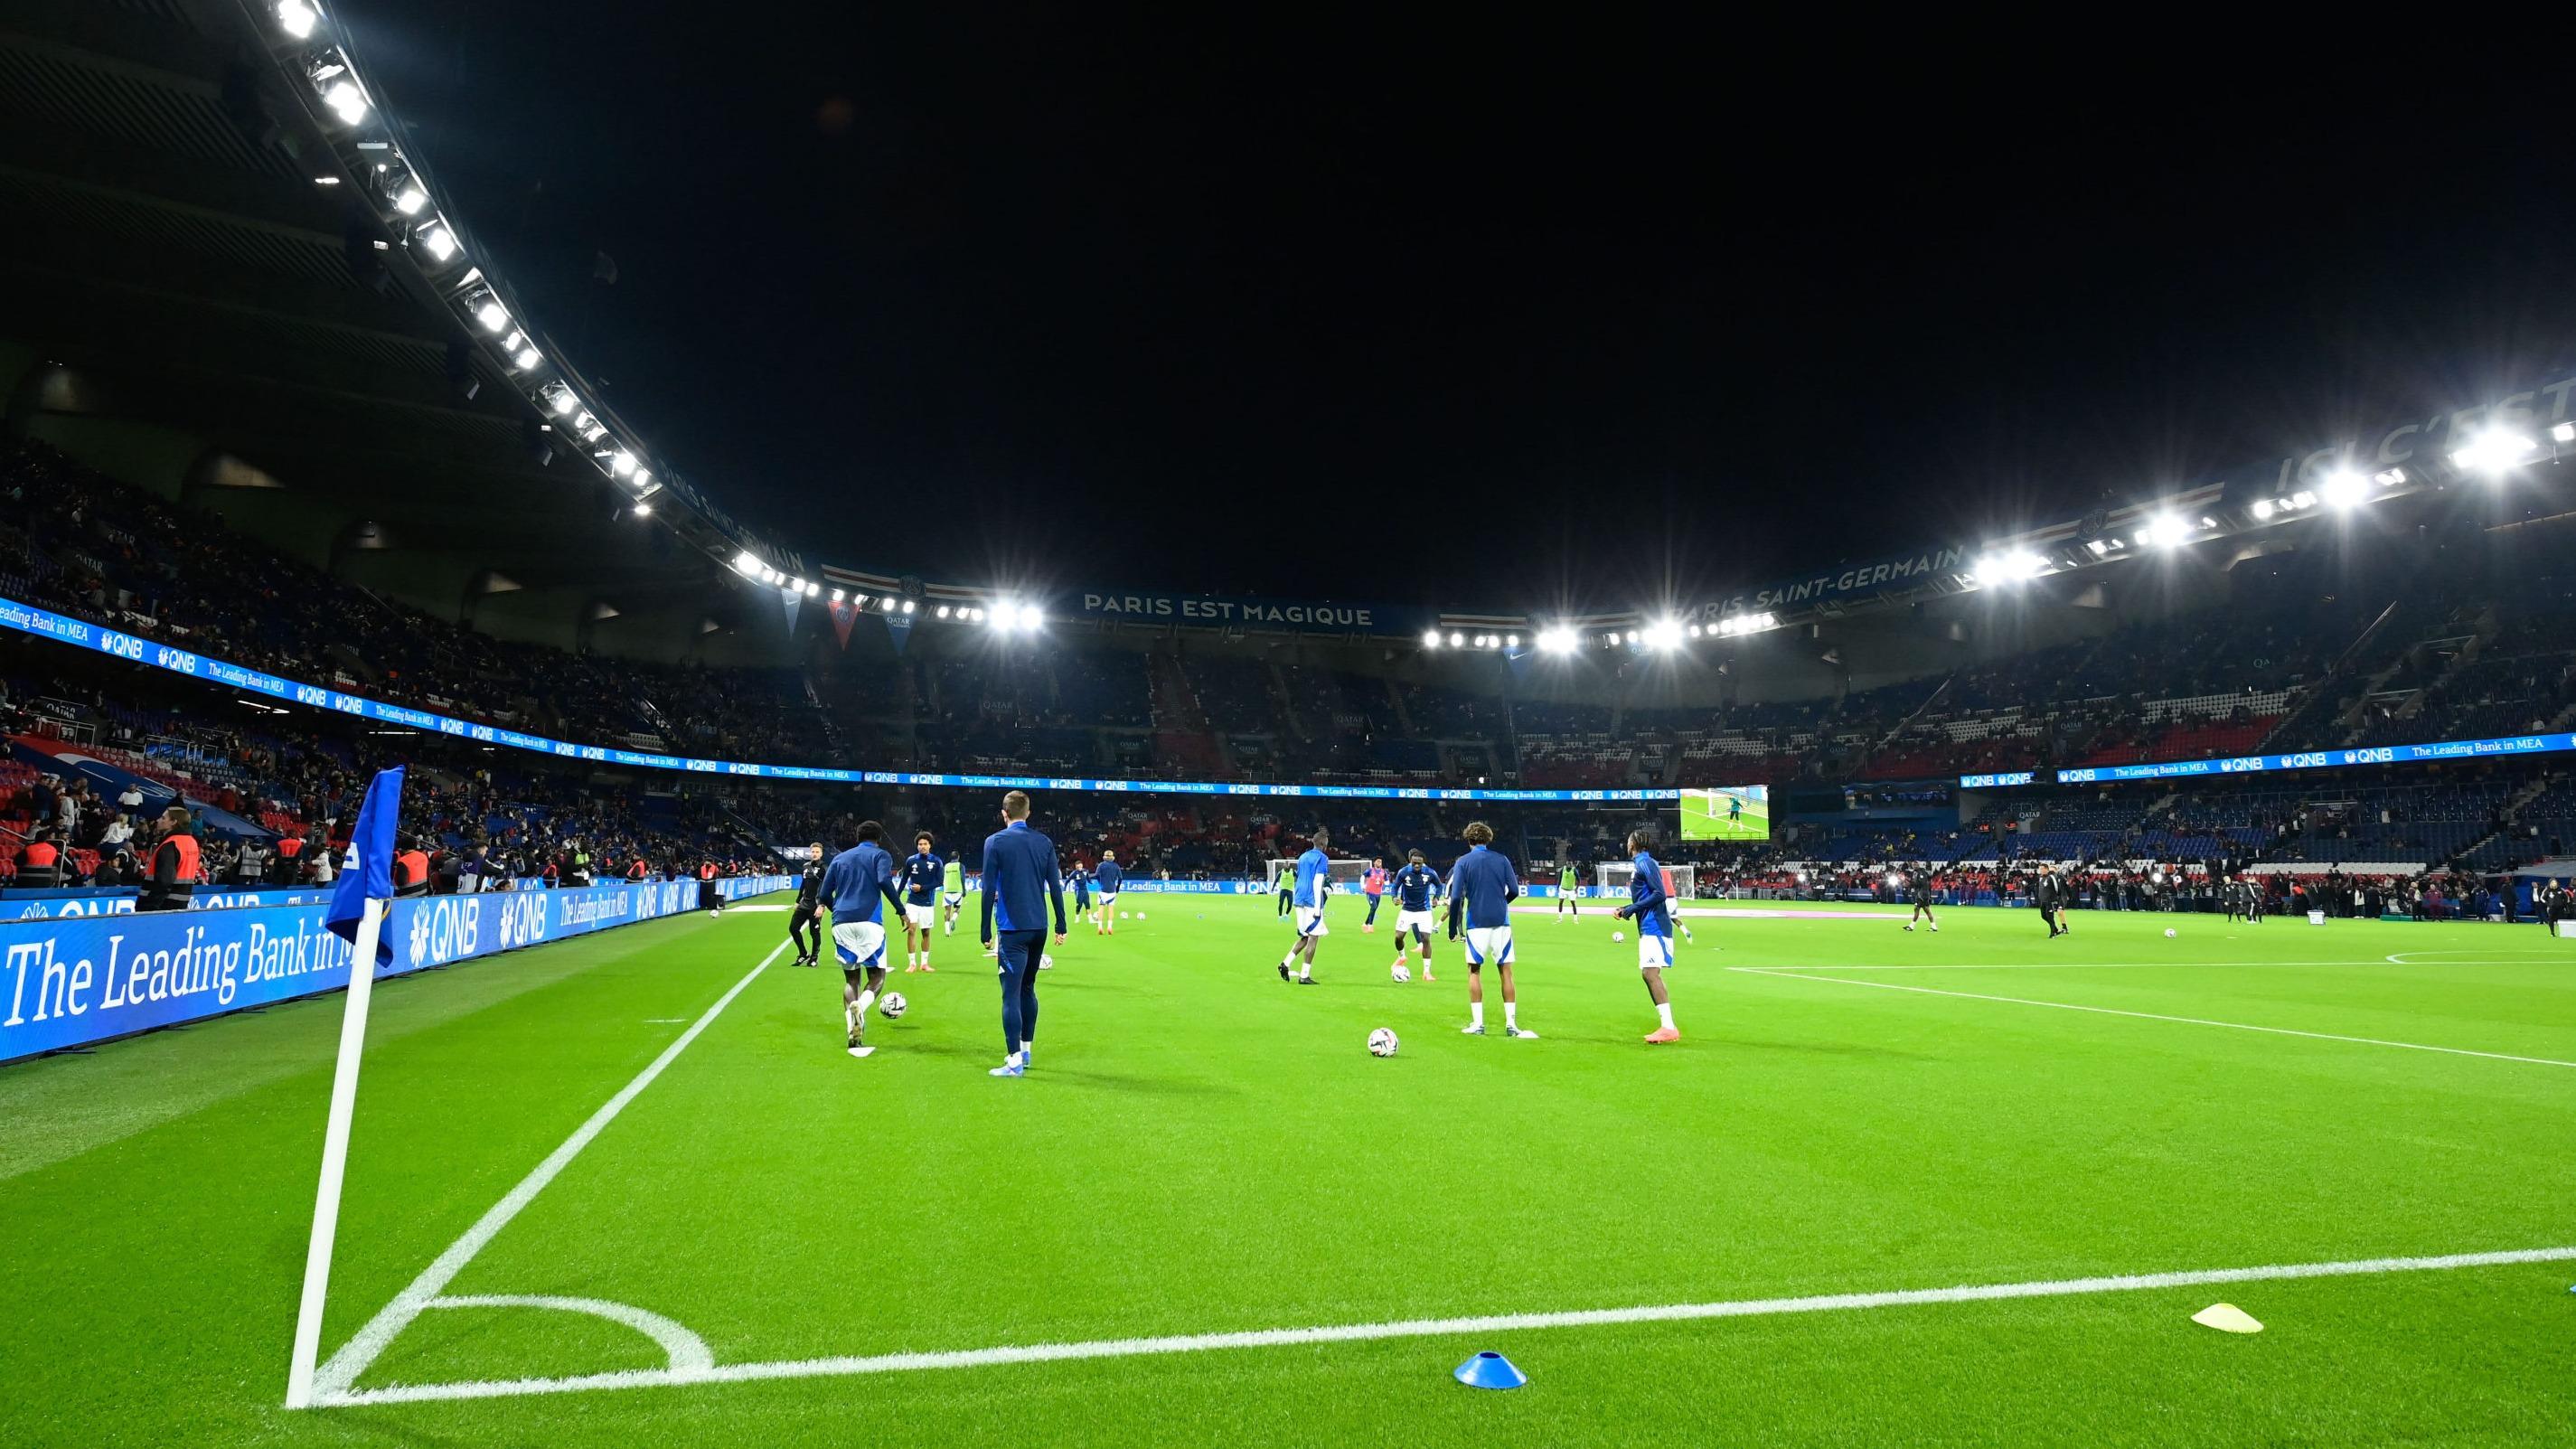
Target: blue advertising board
[2445, 750]
[70, 981]
[62, 628]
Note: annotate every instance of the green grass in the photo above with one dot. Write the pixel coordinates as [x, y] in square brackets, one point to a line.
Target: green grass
[1202, 1148]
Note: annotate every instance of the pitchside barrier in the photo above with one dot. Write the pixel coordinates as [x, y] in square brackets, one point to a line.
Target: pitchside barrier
[120, 900]
[71, 981]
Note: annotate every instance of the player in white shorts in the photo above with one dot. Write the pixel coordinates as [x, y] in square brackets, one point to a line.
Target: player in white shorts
[921, 874]
[1650, 907]
[1482, 887]
[1312, 884]
[1416, 887]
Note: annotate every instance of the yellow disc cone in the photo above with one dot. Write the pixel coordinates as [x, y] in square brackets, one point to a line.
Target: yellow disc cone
[2227, 1318]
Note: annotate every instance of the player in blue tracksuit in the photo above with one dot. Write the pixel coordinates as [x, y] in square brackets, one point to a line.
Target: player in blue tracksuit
[1416, 886]
[1652, 910]
[1313, 883]
[1080, 880]
[1021, 885]
[1482, 887]
[1111, 876]
[859, 883]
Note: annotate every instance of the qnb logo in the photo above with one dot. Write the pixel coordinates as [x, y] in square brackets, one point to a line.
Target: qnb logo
[2379, 756]
[445, 931]
[523, 920]
[2240, 766]
[312, 694]
[178, 659]
[2307, 761]
[348, 704]
[123, 646]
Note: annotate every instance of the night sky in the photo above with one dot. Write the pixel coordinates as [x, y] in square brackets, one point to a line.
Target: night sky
[1403, 310]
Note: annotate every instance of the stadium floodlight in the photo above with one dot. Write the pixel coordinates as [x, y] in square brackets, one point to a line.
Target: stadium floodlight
[943, 611]
[410, 199]
[526, 359]
[812, 588]
[1632, 636]
[1559, 640]
[1457, 640]
[561, 402]
[2562, 433]
[2305, 498]
[1511, 641]
[494, 317]
[2017, 566]
[837, 595]
[643, 509]
[2344, 488]
[346, 101]
[297, 19]
[858, 601]
[2389, 478]
[2493, 451]
[745, 561]
[1430, 638]
[908, 606]
[438, 241]
[622, 463]
[2262, 509]
[643, 478]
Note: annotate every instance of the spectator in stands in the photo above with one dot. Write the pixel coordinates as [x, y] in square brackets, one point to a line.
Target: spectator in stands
[40, 866]
[118, 837]
[176, 864]
[130, 799]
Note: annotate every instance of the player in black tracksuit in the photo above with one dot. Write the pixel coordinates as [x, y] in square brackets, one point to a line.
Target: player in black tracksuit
[2050, 896]
[808, 915]
[1919, 891]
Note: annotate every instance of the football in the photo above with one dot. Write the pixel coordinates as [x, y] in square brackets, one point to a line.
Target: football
[1140, 915]
[891, 1005]
[1617, 936]
[2169, 933]
[1382, 1043]
[1401, 974]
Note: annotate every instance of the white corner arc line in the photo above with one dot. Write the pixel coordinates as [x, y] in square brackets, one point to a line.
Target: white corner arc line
[2412, 1046]
[684, 1349]
[342, 1370]
[1422, 1328]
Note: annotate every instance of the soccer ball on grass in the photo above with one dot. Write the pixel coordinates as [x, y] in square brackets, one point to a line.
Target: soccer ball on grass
[2170, 933]
[1617, 936]
[891, 1005]
[1382, 1043]
[1401, 973]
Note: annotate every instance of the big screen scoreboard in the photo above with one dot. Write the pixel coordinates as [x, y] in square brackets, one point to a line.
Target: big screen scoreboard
[1727, 812]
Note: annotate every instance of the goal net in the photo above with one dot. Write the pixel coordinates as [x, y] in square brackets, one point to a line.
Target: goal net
[1345, 873]
[1612, 878]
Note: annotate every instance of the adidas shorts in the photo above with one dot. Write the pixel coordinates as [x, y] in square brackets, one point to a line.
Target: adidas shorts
[1489, 943]
[859, 943]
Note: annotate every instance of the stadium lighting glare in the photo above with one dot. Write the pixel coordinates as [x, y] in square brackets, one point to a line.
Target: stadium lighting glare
[2562, 433]
[2344, 488]
[297, 19]
[2018, 566]
[346, 101]
[1430, 638]
[745, 561]
[623, 464]
[494, 317]
[812, 588]
[410, 199]
[2262, 509]
[838, 594]
[1511, 641]
[943, 611]
[1556, 641]
[438, 241]
[2305, 498]
[909, 606]
[643, 509]
[858, 601]
[2493, 451]
[1632, 636]
[562, 402]
[1457, 640]
[2389, 478]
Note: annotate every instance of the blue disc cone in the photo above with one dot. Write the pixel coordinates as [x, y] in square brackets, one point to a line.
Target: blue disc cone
[1490, 1370]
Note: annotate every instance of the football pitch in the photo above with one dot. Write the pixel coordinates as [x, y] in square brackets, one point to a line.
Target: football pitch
[1889, 1189]
[1704, 817]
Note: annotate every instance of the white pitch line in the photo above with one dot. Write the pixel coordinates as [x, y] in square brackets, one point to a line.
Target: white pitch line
[361, 1351]
[1423, 1328]
[2412, 1046]
[2075, 965]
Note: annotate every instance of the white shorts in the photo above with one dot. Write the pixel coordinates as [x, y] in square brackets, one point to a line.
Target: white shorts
[1415, 921]
[860, 943]
[955, 899]
[920, 915]
[1310, 922]
[1654, 951]
[1105, 902]
[1489, 943]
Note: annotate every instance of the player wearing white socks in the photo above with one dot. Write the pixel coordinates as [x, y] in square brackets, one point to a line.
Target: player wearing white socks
[1650, 906]
[1416, 887]
[860, 884]
[1107, 876]
[922, 873]
[1482, 887]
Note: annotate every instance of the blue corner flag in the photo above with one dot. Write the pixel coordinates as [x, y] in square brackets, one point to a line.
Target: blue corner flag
[370, 875]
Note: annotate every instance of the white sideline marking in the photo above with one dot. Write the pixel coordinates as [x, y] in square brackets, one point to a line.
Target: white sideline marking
[685, 1349]
[2071, 965]
[2412, 1046]
[2482, 957]
[1420, 1328]
[359, 1352]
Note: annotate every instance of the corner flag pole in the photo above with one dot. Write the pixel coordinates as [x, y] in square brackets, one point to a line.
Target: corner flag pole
[335, 1159]
[357, 915]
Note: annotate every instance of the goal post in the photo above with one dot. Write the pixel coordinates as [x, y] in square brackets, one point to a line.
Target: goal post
[1611, 877]
[1345, 874]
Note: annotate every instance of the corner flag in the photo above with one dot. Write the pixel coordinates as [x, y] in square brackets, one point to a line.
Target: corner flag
[370, 872]
[356, 914]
